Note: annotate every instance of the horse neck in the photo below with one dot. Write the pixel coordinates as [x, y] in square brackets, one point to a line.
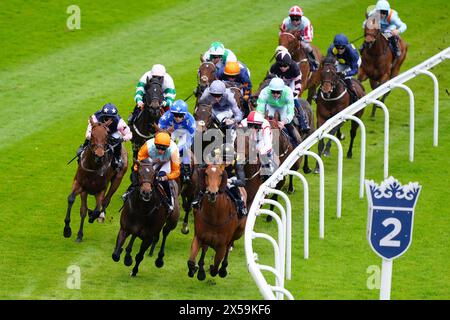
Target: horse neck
[88, 159]
[379, 48]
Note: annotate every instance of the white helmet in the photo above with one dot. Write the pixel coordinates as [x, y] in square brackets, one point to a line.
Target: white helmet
[217, 49]
[382, 5]
[158, 70]
[217, 87]
[276, 84]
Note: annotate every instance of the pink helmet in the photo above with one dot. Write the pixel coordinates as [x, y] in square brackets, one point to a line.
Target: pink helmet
[296, 11]
[255, 118]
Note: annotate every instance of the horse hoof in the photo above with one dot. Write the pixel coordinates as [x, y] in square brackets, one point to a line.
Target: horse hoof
[159, 263]
[133, 274]
[201, 275]
[101, 218]
[128, 261]
[79, 239]
[268, 219]
[223, 273]
[307, 170]
[342, 137]
[316, 171]
[212, 271]
[326, 153]
[185, 229]
[291, 190]
[115, 257]
[349, 156]
[67, 232]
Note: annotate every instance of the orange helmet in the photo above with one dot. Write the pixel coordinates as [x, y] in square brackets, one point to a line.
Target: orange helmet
[162, 138]
[232, 68]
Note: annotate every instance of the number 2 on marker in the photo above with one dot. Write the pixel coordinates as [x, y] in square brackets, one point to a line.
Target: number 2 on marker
[387, 241]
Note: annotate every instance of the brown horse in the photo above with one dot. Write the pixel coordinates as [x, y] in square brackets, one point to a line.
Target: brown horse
[216, 224]
[144, 216]
[332, 98]
[94, 174]
[310, 79]
[143, 127]
[205, 75]
[378, 62]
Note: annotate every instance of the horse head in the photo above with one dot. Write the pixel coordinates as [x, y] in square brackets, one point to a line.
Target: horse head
[98, 144]
[154, 96]
[206, 74]
[371, 31]
[214, 180]
[203, 117]
[291, 43]
[329, 77]
[146, 175]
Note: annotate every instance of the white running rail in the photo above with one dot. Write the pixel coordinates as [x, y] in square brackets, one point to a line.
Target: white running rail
[282, 246]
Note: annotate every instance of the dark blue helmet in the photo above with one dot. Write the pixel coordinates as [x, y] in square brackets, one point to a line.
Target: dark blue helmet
[109, 111]
[340, 40]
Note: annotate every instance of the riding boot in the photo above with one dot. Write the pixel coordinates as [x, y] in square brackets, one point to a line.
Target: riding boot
[313, 61]
[351, 90]
[81, 148]
[292, 134]
[185, 172]
[395, 46]
[302, 117]
[198, 200]
[235, 195]
[168, 199]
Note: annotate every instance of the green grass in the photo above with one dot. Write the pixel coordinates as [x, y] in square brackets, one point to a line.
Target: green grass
[52, 79]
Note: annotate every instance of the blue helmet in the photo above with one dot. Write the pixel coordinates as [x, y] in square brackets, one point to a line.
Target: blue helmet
[179, 106]
[340, 40]
[109, 110]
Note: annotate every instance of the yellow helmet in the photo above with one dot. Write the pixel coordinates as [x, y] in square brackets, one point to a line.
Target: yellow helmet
[162, 139]
[232, 68]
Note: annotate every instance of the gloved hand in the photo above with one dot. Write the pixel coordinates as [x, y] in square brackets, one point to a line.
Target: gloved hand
[164, 103]
[342, 74]
[231, 182]
[140, 104]
[163, 178]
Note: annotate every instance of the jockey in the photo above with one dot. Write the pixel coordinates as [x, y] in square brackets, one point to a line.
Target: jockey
[262, 135]
[390, 24]
[218, 55]
[348, 61]
[298, 22]
[165, 156]
[168, 86]
[184, 125]
[288, 70]
[118, 131]
[279, 97]
[236, 178]
[224, 107]
[235, 71]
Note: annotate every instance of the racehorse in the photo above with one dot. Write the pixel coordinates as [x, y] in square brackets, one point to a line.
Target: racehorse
[332, 98]
[94, 174]
[144, 216]
[216, 224]
[143, 126]
[310, 79]
[205, 75]
[303, 104]
[378, 61]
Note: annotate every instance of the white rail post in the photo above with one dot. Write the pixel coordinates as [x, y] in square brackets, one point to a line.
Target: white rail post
[363, 152]
[305, 219]
[321, 192]
[436, 105]
[411, 117]
[386, 135]
[339, 174]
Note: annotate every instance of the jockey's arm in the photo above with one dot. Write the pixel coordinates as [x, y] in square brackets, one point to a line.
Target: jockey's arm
[140, 87]
[240, 175]
[142, 154]
[397, 24]
[267, 138]
[174, 165]
[190, 124]
[164, 122]
[262, 102]
[290, 108]
[124, 130]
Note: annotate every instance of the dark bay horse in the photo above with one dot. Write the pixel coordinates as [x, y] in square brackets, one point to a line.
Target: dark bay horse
[310, 79]
[378, 62]
[216, 224]
[143, 127]
[94, 174]
[144, 216]
[332, 98]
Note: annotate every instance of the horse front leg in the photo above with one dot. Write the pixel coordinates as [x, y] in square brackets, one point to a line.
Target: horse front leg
[67, 230]
[218, 258]
[121, 237]
[83, 211]
[352, 138]
[187, 204]
[191, 262]
[98, 205]
[166, 230]
[128, 260]
[373, 84]
[201, 275]
[223, 268]
[140, 256]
